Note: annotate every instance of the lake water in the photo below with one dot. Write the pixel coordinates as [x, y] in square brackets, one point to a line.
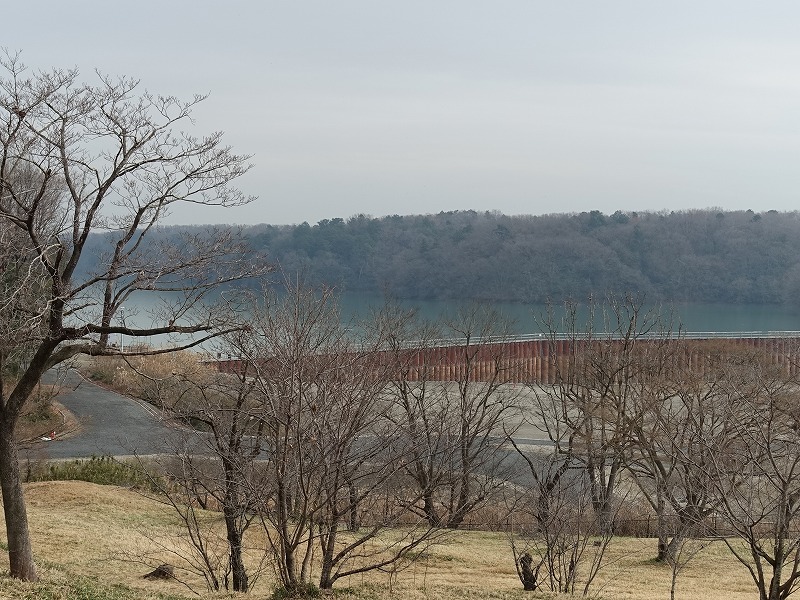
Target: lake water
[691, 317]
[526, 318]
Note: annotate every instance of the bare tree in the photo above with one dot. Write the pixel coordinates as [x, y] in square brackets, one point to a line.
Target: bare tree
[77, 159]
[422, 416]
[757, 475]
[701, 538]
[454, 407]
[598, 371]
[22, 280]
[557, 540]
[330, 449]
[680, 416]
[214, 468]
[703, 447]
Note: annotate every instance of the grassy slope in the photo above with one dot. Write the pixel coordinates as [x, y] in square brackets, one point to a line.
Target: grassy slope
[84, 531]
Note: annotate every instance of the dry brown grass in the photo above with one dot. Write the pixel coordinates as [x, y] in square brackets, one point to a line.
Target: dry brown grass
[149, 378]
[41, 415]
[91, 530]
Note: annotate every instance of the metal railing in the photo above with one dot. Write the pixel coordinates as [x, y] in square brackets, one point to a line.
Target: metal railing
[542, 337]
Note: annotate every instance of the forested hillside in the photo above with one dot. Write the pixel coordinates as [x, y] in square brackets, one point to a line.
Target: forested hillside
[703, 255]
[697, 256]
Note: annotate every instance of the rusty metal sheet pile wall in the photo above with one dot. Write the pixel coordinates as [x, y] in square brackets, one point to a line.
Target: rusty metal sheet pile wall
[543, 360]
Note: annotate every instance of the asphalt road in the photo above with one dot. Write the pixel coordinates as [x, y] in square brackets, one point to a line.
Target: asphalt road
[109, 424]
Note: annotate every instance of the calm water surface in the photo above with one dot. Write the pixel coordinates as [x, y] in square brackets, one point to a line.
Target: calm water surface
[527, 318]
[692, 317]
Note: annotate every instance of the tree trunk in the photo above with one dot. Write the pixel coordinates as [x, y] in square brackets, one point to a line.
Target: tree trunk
[668, 551]
[20, 553]
[232, 509]
[238, 570]
[353, 498]
[326, 577]
[305, 569]
[661, 555]
[602, 487]
[431, 514]
[287, 563]
[459, 512]
[661, 522]
[526, 574]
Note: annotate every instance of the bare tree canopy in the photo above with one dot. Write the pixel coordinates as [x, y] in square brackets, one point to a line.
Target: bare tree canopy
[77, 159]
[756, 475]
[333, 460]
[454, 430]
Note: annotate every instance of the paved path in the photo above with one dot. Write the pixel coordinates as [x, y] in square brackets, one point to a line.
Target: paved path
[109, 425]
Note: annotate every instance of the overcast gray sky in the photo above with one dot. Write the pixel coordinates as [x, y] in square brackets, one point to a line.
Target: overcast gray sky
[526, 107]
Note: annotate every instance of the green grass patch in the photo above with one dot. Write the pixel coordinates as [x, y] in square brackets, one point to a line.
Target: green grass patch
[301, 592]
[102, 470]
[60, 586]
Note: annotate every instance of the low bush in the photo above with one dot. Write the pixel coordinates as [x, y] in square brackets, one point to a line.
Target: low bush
[299, 592]
[103, 470]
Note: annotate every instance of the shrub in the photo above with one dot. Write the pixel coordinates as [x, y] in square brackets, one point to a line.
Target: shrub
[103, 470]
[102, 370]
[299, 592]
[161, 380]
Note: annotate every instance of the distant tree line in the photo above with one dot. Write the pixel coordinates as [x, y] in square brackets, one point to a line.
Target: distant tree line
[695, 256]
[739, 257]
